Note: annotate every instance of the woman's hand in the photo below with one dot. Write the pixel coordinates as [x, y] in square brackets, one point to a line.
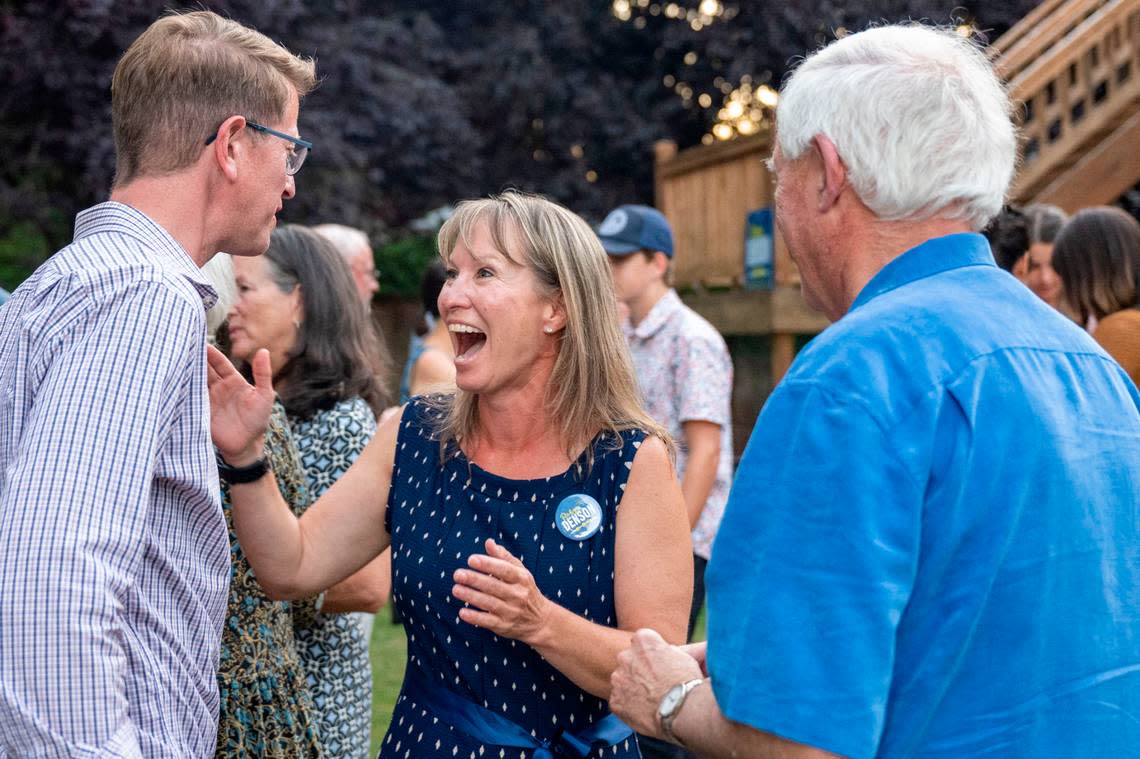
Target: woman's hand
[239, 412]
[502, 595]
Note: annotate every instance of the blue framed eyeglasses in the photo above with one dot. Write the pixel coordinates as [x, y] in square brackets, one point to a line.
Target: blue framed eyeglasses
[293, 159]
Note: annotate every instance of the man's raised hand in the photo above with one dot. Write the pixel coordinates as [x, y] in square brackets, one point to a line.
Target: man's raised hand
[239, 412]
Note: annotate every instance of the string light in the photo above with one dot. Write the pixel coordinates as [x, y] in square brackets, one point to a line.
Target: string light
[746, 111]
[705, 13]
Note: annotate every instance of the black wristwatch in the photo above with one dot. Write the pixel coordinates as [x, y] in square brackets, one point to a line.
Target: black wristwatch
[241, 475]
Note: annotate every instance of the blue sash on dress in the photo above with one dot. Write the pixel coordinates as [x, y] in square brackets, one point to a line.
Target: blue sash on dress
[487, 726]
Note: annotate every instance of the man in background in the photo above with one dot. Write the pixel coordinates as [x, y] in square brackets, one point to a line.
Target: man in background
[685, 373]
[357, 251]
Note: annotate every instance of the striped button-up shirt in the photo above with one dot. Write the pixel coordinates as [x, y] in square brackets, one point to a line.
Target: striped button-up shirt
[114, 558]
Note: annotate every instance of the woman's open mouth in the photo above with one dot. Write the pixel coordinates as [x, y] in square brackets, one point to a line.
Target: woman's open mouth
[468, 341]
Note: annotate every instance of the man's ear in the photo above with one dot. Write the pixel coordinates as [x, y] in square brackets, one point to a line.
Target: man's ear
[227, 149]
[833, 172]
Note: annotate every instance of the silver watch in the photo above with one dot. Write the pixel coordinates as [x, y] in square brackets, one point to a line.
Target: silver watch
[671, 704]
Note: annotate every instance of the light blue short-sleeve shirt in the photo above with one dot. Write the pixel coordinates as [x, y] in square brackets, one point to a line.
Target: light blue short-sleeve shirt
[931, 547]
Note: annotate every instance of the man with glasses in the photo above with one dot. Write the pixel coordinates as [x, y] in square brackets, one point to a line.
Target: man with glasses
[115, 567]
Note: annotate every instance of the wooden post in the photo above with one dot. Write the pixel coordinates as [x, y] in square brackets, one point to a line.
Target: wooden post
[663, 152]
[783, 352]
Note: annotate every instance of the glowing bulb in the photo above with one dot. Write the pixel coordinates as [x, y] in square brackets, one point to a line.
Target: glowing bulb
[746, 126]
[964, 30]
[690, 58]
[767, 96]
[591, 176]
[722, 131]
[705, 100]
[735, 109]
[576, 151]
[711, 7]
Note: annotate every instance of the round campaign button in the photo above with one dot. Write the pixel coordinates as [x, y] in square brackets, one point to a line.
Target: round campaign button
[579, 516]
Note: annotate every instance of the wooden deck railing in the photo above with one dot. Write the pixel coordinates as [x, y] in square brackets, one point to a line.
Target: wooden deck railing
[1081, 86]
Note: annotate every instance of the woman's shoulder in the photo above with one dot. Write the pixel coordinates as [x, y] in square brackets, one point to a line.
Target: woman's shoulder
[1123, 321]
[1119, 335]
[341, 413]
[616, 449]
[421, 419]
[628, 439]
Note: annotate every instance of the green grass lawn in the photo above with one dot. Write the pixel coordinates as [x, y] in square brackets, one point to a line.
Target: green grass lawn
[389, 649]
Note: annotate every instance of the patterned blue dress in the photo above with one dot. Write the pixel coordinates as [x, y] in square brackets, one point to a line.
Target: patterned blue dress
[438, 515]
[334, 647]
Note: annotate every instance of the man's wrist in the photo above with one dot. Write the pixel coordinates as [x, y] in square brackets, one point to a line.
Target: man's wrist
[672, 703]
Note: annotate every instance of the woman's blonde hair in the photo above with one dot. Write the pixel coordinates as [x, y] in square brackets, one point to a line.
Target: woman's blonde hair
[592, 387]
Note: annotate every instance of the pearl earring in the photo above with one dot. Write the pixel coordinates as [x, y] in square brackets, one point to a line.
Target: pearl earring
[548, 330]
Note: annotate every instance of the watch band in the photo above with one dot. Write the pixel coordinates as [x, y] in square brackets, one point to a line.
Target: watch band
[241, 475]
[667, 719]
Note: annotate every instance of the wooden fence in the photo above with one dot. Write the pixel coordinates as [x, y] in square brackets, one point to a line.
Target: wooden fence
[1076, 73]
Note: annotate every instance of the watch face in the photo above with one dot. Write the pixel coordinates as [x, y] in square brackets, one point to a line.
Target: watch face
[669, 702]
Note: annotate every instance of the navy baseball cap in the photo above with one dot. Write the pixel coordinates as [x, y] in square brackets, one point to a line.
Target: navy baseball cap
[628, 229]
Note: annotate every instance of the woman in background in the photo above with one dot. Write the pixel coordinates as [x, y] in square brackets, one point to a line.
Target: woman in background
[431, 359]
[1098, 259]
[299, 302]
[1038, 274]
[265, 707]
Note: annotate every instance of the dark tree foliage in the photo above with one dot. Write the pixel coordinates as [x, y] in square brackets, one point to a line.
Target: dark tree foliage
[421, 103]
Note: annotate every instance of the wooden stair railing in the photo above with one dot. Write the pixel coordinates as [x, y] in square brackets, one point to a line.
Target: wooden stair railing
[1077, 92]
[1041, 29]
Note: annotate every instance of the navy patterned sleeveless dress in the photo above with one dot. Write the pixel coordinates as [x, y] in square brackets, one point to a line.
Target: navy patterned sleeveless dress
[438, 515]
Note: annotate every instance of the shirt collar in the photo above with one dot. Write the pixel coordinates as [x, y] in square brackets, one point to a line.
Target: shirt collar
[120, 218]
[658, 316]
[931, 257]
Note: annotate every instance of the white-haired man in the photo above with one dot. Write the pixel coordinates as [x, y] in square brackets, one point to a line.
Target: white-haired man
[353, 245]
[115, 564]
[930, 546]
